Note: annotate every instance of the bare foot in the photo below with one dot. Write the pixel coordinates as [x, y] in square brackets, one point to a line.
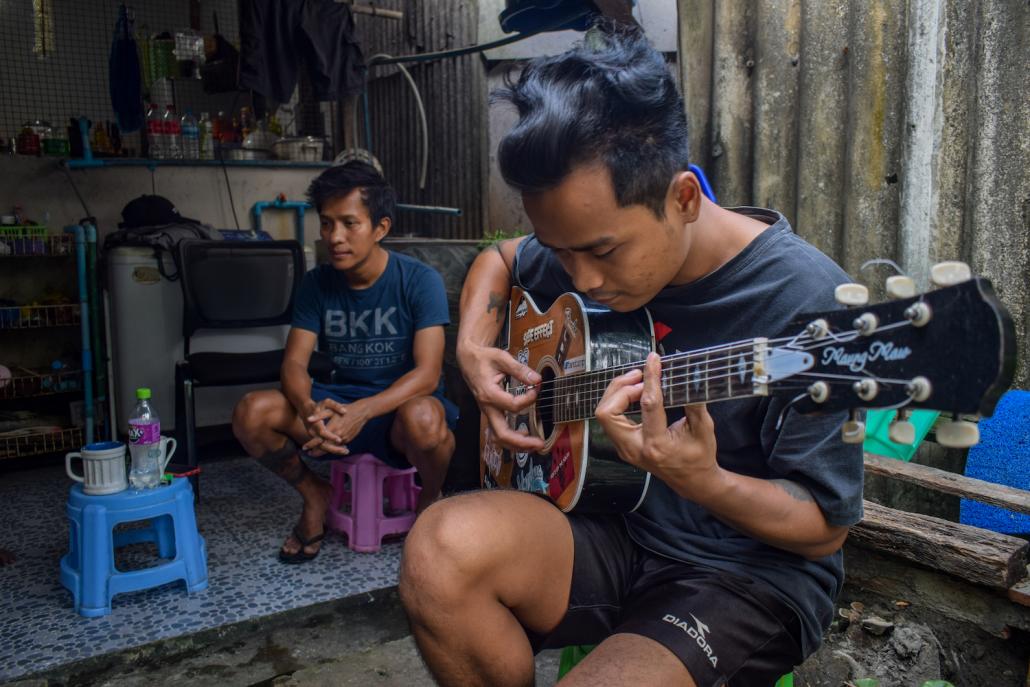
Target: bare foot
[312, 518]
[6, 557]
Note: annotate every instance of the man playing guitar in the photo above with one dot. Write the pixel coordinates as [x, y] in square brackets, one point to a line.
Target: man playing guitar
[728, 570]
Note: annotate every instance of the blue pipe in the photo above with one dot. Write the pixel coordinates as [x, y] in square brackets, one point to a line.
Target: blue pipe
[87, 148]
[702, 181]
[95, 319]
[300, 207]
[87, 355]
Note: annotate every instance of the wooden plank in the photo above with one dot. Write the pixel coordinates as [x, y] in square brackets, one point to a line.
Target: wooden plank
[973, 554]
[1010, 498]
[1020, 591]
[899, 580]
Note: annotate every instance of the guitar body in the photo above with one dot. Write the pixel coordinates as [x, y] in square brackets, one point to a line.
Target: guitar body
[578, 469]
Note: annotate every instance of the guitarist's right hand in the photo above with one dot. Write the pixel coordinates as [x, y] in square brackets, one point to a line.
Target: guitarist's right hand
[485, 369]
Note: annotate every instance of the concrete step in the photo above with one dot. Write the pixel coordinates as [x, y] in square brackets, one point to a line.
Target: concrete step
[392, 664]
[361, 640]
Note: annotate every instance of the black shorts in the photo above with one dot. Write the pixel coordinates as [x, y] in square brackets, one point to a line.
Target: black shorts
[726, 628]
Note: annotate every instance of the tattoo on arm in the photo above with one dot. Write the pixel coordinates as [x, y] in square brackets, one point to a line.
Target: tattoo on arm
[794, 489]
[497, 301]
[286, 462]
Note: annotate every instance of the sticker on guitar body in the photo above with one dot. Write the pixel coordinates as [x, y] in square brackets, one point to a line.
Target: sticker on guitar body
[563, 469]
[575, 364]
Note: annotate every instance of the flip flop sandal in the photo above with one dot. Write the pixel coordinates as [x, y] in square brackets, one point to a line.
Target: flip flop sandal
[300, 555]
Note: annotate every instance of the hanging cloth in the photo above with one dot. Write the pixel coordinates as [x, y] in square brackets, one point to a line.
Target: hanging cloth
[277, 38]
[124, 76]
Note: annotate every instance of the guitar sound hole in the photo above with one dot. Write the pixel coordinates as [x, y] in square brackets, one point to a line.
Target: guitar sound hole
[545, 405]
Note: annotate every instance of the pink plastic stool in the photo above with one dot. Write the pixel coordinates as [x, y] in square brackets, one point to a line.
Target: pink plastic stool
[359, 484]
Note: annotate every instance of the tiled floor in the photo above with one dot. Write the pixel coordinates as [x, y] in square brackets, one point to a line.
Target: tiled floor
[244, 515]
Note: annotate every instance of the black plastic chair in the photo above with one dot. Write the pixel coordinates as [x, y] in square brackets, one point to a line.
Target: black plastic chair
[233, 285]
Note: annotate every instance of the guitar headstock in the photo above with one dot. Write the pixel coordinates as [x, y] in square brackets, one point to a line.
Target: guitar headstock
[951, 349]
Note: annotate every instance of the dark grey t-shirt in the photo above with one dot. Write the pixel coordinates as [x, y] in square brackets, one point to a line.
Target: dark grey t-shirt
[777, 277]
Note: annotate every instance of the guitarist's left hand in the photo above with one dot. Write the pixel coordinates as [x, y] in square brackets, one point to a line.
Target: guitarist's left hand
[681, 454]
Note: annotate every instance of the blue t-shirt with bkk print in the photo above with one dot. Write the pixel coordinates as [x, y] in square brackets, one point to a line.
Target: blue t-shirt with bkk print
[369, 333]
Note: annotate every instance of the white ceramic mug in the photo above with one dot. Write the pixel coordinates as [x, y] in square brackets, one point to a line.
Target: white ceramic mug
[166, 452]
[103, 467]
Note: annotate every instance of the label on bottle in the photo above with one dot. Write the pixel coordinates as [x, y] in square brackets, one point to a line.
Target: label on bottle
[144, 433]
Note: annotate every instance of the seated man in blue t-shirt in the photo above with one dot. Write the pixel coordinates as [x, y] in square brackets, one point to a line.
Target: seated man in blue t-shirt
[380, 316]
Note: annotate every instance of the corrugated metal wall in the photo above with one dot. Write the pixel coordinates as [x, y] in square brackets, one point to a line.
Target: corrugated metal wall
[454, 92]
[881, 128]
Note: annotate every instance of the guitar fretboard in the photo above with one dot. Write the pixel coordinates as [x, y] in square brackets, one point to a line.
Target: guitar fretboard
[701, 376]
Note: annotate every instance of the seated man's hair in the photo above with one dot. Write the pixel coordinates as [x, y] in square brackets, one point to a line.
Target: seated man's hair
[609, 100]
[336, 182]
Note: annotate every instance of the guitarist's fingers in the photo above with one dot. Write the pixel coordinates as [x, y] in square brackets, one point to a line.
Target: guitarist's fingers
[624, 390]
[496, 397]
[509, 366]
[652, 407]
[506, 436]
[700, 424]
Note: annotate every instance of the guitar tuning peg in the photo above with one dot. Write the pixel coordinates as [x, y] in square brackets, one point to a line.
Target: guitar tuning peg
[902, 432]
[853, 430]
[957, 434]
[900, 286]
[851, 294]
[950, 273]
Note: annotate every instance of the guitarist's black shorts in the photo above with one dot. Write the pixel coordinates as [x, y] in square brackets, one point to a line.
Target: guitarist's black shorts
[724, 627]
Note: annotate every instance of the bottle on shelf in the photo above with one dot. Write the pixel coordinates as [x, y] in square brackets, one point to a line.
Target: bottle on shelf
[218, 128]
[207, 137]
[247, 123]
[144, 443]
[172, 134]
[155, 133]
[190, 136]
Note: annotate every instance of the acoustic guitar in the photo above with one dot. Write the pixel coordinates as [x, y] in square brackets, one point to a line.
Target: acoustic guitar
[951, 349]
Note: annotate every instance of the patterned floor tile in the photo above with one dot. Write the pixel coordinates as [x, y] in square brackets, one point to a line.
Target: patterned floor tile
[244, 514]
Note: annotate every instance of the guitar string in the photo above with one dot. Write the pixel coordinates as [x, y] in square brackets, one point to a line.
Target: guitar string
[671, 382]
[671, 358]
[596, 377]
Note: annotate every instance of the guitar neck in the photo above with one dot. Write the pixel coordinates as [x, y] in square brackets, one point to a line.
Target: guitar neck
[711, 374]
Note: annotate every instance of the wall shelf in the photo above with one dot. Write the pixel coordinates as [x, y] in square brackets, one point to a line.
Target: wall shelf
[35, 246]
[31, 443]
[45, 382]
[38, 316]
[98, 163]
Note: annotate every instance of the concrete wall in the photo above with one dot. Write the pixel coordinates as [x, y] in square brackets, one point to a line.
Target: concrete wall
[882, 128]
[43, 189]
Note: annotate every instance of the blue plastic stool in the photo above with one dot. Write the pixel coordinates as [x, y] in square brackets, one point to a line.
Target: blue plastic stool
[88, 570]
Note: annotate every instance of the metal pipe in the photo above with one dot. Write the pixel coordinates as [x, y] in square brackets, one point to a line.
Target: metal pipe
[87, 359]
[93, 299]
[298, 206]
[374, 11]
[112, 416]
[301, 206]
[433, 209]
